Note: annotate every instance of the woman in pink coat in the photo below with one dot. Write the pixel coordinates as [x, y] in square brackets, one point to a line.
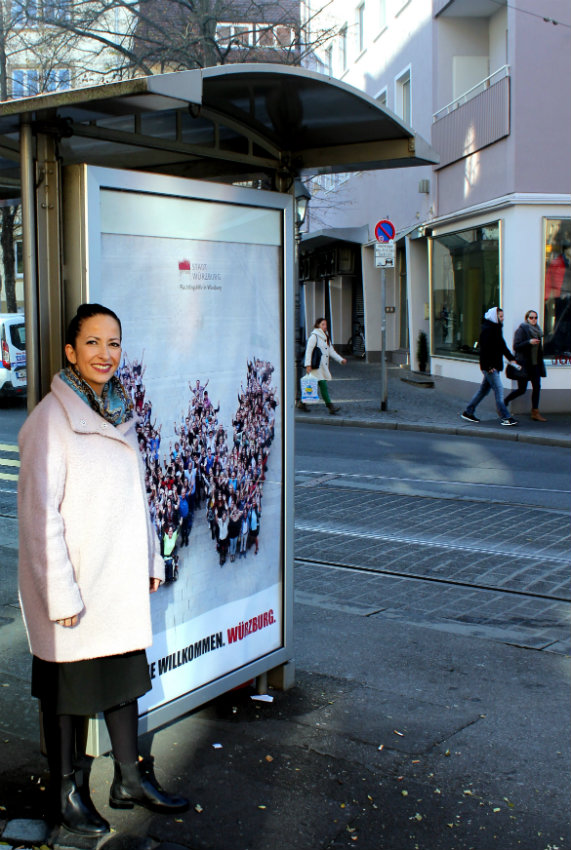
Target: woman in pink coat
[87, 561]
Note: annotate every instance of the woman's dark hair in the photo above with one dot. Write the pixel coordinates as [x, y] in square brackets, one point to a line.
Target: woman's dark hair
[316, 325]
[87, 311]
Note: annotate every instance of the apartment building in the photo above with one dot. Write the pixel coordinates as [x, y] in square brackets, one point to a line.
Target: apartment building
[46, 45]
[174, 36]
[488, 84]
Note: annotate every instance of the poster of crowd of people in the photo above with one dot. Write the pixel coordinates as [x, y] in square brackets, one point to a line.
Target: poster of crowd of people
[199, 287]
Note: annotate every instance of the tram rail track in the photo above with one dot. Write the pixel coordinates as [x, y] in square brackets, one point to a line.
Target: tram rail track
[450, 582]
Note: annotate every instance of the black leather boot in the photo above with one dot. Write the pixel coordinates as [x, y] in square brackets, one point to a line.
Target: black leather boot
[77, 812]
[137, 785]
[333, 408]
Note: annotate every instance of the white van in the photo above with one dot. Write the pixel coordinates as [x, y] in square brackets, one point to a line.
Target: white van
[13, 354]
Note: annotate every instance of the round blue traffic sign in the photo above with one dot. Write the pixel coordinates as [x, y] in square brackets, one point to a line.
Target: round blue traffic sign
[384, 231]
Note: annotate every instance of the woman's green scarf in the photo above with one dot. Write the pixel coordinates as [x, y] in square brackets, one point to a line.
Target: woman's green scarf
[113, 404]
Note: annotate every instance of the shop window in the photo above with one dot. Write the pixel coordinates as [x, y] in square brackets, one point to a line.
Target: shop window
[557, 304]
[465, 283]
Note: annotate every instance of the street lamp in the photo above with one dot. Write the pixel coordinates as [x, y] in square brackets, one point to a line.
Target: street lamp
[302, 198]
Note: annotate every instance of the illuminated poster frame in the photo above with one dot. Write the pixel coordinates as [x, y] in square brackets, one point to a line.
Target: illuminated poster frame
[201, 275]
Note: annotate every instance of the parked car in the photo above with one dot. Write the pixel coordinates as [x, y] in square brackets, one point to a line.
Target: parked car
[13, 379]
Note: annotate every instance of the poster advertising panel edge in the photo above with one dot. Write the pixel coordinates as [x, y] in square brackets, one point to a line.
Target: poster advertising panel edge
[201, 276]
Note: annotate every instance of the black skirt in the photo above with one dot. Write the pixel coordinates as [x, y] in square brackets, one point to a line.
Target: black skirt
[91, 686]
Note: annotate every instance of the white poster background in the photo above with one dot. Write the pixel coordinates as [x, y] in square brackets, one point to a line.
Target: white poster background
[201, 309]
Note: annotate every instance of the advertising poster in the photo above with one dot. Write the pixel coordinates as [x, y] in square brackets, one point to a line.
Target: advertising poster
[198, 286]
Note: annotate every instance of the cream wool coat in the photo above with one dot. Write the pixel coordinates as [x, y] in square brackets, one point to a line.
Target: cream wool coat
[87, 546]
[317, 337]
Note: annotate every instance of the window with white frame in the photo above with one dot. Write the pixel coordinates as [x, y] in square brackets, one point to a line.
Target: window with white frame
[18, 258]
[403, 100]
[25, 82]
[235, 35]
[361, 27]
[343, 47]
[267, 36]
[277, 36]
[58, 79]
[28, 13]
[329, 59]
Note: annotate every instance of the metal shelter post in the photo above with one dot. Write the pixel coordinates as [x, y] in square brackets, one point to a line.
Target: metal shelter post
[29, 260]
[49, 265]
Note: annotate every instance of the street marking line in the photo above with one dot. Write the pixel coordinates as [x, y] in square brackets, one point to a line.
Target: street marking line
[7, 461]
[9, 447]
[430, 481]
[419, 541]
[7, 476]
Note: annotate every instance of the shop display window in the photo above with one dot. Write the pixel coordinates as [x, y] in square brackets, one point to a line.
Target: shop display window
[557, 289]
[465, 282]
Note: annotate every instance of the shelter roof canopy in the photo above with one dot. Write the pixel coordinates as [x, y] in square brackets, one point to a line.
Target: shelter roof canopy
[222, 122]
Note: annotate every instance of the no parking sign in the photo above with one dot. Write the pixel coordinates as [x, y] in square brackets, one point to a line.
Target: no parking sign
[384, 231]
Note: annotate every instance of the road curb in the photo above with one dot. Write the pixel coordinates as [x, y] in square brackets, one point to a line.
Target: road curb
[459, 431]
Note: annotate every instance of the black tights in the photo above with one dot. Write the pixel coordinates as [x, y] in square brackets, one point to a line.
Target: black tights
[535, 379]
[66, 737]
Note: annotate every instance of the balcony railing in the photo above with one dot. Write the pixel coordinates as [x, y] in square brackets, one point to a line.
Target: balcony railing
[472, 122]
[498, 75]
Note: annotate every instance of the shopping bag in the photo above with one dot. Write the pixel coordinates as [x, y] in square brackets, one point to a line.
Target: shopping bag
[309, 390]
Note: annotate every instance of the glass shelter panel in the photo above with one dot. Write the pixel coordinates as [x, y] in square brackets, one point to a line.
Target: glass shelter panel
[465, 282]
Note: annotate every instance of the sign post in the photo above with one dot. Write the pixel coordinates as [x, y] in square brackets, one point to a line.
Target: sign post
[385, 253]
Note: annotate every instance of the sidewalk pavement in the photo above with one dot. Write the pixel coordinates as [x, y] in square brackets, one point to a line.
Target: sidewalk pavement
[395, 737]
[425, 403]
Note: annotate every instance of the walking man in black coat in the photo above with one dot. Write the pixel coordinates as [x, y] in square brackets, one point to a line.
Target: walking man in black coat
[493, 349]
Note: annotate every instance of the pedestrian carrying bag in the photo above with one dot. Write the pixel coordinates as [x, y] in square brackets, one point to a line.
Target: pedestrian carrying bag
[515, 374]
[316, 357]
[309, 390]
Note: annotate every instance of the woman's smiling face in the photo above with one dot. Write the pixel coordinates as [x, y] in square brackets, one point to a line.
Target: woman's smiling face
[97, 350]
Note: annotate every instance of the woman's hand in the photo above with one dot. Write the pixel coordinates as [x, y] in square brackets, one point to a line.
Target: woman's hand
[68, 622]
[154, 584]
[343, 361]
[308, 369]
[534, 341]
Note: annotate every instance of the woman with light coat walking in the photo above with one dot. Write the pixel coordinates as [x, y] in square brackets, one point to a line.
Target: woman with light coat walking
[319, 339]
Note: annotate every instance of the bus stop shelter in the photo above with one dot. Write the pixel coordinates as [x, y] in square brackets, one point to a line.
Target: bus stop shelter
[231, 123]
[196, 133]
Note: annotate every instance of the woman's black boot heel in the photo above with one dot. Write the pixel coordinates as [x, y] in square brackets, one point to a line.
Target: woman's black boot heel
[134, 785]
[333, 408]
[78, 814]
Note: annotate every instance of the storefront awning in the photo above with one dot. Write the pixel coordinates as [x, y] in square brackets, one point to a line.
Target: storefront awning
[319, 238]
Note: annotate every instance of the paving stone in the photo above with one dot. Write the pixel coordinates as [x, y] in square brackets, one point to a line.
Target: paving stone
[26, 831]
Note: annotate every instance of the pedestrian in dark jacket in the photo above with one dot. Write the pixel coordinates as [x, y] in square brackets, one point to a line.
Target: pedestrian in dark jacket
[493, 349]
[529, 354]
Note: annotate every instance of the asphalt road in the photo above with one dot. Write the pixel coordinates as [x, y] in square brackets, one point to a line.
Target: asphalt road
[438, 466]
[462, 535]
